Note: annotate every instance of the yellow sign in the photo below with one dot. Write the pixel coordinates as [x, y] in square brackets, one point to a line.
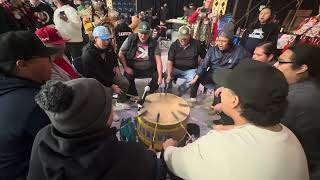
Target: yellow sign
[220, 6]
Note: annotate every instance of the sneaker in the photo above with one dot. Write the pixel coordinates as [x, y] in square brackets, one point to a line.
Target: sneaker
[121, 106]
[192, 102]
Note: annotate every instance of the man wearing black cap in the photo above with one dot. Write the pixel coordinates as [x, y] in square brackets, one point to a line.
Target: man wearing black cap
[24, 66]
[140, 56]
[258, 147]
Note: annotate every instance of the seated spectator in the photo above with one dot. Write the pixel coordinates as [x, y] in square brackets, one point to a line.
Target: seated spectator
[24, 67]
[258, 146]
[140, 56]
[265, 52]
[79, 143]
[183, 58]
[61, 68]
[301, 67]
[99, 61]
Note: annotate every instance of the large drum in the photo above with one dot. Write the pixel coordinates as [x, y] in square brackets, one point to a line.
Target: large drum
[163, 116]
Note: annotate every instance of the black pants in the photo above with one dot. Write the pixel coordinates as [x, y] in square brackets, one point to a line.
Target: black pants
[73, 50]
[142, 74]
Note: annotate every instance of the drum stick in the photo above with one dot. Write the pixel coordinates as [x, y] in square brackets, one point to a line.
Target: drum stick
[183, 105]
[175, 116]
[143, 113]
[155, 130]
[182, 113]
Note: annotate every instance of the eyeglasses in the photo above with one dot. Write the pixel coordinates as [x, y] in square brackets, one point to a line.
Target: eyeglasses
[281, 61]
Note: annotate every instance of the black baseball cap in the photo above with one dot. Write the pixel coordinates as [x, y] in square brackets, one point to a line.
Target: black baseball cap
[256, 83]
[22, 45]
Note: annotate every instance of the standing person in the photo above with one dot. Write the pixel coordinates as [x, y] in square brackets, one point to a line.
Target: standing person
[140, 56]
[260, 31]
[122, 31]
[61, 67]
[135, 21]
[69, 26]
[164, 13]
[43, 12]
[24, 67]
[258, 146]
[6, 21]
[301, 67]
[79, 143]
[100, 62]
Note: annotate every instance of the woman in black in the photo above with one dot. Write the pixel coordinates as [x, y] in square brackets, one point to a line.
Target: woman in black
[260, 31]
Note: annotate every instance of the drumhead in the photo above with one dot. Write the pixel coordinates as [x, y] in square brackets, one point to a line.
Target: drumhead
[172, 109]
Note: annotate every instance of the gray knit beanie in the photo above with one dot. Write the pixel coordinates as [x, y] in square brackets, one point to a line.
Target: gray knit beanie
[79, 106]
[228, 30]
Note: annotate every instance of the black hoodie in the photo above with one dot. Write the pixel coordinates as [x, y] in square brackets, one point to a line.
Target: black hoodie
[20, 120]
[259, 33]
[94, 66]
[98, 156]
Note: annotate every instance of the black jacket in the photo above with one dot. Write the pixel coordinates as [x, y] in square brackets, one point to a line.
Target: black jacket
[269, 32]
[94, 66]
[6, 22]
[20, 120]
[98, 156]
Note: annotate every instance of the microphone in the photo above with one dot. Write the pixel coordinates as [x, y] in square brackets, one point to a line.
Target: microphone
[143, 97]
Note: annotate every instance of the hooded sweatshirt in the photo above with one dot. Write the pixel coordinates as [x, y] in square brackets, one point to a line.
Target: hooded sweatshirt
[20, 120]
[97, 156]
[99, 63]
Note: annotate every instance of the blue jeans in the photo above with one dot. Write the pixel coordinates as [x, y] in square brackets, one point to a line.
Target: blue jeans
[188, 75]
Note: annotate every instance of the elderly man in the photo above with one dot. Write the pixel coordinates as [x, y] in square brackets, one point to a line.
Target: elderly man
[25, 65]
[140, 56]
[258, 146]
[183, 58]
[301, 67]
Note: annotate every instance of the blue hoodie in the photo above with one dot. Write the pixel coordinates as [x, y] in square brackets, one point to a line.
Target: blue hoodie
[20, 120]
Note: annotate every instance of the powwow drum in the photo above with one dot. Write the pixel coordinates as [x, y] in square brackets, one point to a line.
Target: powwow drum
[163, 116]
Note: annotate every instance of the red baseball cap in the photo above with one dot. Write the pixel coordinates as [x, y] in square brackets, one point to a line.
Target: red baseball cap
[49, 35]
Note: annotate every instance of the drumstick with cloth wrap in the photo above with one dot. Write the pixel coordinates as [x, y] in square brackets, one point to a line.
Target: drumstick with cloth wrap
[155, 130]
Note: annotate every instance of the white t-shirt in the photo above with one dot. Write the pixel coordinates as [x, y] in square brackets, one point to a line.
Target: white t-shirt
[243, 153]
[69, 30]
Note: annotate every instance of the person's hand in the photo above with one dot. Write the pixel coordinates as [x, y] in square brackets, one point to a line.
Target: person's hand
[159, 80]
[116, 89]
[217, 108]
[116, 70]
[218, 91]
[152, 149]
[168, 79]
[198, 9]
[64, 18]
[128, 70]
[169, 142]
[194, 80]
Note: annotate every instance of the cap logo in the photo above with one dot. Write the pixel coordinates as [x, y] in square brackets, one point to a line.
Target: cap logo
[184, 31]
[144, 26]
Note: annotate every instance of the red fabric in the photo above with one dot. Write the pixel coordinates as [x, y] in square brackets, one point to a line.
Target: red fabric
[193, 17]
[215, 31]
[61, 62]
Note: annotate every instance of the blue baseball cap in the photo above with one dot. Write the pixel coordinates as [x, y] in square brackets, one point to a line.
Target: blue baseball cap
[101, 32]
